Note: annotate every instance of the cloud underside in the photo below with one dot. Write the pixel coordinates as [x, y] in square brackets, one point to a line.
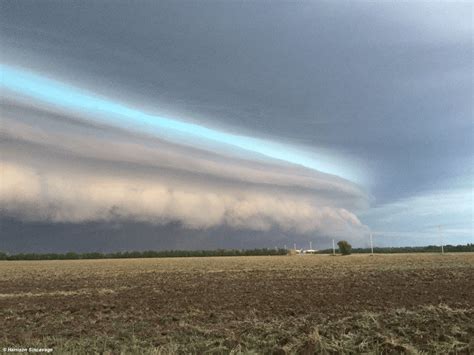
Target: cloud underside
[60, 168]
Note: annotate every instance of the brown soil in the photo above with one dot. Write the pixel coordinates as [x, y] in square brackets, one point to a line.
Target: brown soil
[223, 300]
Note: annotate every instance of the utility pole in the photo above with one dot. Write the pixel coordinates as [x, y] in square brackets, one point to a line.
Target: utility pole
[441, 239]
[333, 248]
[371, 245]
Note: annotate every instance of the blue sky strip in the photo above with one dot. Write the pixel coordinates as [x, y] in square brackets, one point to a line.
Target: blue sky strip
[110, 112]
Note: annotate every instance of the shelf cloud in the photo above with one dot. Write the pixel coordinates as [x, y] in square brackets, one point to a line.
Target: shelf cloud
[234, 124]
[59, 168]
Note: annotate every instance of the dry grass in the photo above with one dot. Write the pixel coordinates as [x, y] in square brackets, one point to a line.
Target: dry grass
[298, 304]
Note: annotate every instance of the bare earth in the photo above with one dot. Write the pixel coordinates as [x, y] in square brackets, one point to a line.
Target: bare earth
[280, 304]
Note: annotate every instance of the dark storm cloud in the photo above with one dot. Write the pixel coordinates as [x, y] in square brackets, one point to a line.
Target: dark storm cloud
[62, 169]
[372, 81]
[387, 85]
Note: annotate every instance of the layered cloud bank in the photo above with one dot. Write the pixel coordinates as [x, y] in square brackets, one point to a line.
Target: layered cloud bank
[59, 167]
[61, 197]
[242, 116]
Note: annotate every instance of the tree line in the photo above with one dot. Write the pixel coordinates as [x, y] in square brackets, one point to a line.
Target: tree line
[226, 252]
[143, 254]
[424, 249]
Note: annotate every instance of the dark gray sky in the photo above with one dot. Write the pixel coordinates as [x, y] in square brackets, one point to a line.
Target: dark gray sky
[375, 100]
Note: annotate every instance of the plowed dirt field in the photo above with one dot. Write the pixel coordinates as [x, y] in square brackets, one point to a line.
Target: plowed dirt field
[279, 304]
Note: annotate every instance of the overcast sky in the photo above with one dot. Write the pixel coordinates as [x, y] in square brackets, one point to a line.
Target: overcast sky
[159, 125]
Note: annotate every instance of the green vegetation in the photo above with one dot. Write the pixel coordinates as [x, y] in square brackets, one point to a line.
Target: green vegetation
[425, 249]
[344, 247]
[143, 254]
[227, 252]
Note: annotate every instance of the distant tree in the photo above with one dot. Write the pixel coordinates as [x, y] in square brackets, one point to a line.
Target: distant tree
[71, 255]
[344, 247]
